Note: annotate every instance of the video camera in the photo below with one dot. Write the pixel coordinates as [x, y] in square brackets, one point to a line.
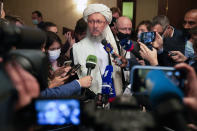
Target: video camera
[73, 114]
[27, 41]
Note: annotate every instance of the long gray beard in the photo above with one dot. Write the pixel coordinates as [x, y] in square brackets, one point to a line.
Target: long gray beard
[96, 38]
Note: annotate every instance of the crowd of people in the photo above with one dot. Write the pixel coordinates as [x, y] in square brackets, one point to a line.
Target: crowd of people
[171, 47]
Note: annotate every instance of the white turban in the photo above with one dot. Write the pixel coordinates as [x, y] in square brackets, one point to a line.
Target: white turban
[106, 12]
[98, 8]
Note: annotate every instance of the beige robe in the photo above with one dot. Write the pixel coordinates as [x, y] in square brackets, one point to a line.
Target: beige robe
[81, 51]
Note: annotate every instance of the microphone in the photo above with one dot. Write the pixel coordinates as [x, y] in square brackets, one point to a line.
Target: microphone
[127, 44]
[107, 83]
[108, 48]
[130, 46]
[91, 63]
[161, 88]
[166, 99]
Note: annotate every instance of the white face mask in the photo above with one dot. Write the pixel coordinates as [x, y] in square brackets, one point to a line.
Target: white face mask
[35, 21]
[53, 55]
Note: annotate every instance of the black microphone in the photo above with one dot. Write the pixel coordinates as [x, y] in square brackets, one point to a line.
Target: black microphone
[91, 63]
[109, 49]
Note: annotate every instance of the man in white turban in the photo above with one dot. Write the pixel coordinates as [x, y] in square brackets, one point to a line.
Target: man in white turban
[98, 17]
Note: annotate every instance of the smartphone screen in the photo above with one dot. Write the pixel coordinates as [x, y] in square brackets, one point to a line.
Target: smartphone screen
[147, 37]
[57, 111]
[138, 75]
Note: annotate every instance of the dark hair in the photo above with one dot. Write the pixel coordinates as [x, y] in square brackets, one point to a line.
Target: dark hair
[39, 14]
[47, 25]
[81, 26]
[115, 9]
[13, 19]
[161, 20]
[147, 23]
[51, 38]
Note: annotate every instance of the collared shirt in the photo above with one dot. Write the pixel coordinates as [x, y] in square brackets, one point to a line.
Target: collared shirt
[189, 51]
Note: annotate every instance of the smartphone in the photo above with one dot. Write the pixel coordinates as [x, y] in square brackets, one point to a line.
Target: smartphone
[147, 37]
[138, 75]
[57, 112]
[73, 69]
[67, 63]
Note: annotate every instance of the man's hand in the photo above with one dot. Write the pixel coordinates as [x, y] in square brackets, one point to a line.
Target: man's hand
[190, 85]
[26, 85]
[69, 38]
[57, 81]
[62, 71]
[168, 32]
[86, 81]
[148, 55]
[177, 56]
[123, 60]
[141, 62]
[158, 43]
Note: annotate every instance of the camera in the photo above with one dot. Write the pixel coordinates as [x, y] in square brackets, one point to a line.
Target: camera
[33, 61]
[57, 111]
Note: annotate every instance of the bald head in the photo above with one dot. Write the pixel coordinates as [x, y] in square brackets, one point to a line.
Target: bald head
[190, 19]
[124, 25]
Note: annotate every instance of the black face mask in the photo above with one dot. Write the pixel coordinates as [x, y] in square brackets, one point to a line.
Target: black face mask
[122, 36]
[186, 33]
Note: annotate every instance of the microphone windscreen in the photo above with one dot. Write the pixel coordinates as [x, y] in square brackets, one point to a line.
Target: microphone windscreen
[107, 83]
[91, 61]
[107, 80]
[107, 76]
[161, 88]
[127, 44]
[104, 42]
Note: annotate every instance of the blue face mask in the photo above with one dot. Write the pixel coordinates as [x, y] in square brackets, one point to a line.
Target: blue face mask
[54, 55]
[35, 21]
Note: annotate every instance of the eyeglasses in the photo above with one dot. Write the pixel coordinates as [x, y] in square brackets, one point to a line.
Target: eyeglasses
[98, 22]
[189, 22]
[125, 29]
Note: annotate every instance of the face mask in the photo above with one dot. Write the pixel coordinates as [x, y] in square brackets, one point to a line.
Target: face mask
[123, 36]
[35, 21]
[53, 55]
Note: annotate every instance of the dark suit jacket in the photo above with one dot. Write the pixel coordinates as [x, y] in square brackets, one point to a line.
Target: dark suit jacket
[66, 90]
[176, 43]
